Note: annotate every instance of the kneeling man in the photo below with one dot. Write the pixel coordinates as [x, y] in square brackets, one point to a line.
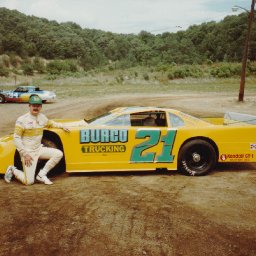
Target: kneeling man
[28, 135]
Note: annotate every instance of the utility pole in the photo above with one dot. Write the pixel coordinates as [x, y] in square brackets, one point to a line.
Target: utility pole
[245, 53]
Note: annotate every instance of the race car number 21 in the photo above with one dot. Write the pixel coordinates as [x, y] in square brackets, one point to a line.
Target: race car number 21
[154, 138]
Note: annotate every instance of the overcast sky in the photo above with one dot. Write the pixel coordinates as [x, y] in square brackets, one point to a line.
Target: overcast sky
[129, 16]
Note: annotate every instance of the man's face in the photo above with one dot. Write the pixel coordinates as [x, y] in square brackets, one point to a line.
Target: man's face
[35, 109]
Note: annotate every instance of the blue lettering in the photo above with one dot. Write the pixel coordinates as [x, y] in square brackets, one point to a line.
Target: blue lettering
[95, 136]
[103, 136]
[123, 135]
[85, 136]
[113, 135]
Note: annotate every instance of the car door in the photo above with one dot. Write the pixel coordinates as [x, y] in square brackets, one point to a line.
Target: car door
[153, 141]
[127, 142]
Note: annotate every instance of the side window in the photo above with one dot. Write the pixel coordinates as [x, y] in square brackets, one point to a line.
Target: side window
[18, 89]
[149, 119]
[123, 120]
[176, 121]
[161, 119]
[21, 89]
[137, 119]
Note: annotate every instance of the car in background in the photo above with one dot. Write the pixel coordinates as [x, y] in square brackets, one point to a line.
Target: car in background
[146, 139]
[22, 93]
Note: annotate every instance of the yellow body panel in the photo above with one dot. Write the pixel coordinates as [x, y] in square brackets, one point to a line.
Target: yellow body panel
[215, 120]
[7, 151]
[91, 148]
[114, 156]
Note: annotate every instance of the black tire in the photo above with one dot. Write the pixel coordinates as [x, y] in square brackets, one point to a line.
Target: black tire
[197, 158]
[17, 160]
[2, 98]
[48, 143]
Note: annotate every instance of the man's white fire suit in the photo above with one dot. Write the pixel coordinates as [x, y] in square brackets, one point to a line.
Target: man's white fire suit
[28, 134]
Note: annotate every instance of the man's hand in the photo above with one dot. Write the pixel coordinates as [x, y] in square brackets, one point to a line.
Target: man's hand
[28, 160]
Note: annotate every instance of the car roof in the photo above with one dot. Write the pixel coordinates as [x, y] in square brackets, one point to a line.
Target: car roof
[27, 86]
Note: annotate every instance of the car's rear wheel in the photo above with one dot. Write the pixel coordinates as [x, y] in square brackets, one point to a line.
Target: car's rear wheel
[2, 98]
[197, 157]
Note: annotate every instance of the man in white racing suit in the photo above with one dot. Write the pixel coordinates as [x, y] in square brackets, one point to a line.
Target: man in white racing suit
[28, 134]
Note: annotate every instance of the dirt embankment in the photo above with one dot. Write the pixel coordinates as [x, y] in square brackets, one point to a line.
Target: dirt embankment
[201, 105]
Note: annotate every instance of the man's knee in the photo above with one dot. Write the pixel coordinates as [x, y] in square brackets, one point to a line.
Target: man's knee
[59, 153]
[29, 182]
[57, 156]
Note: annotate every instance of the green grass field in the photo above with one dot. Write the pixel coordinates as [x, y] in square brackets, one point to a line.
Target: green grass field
[125, 82]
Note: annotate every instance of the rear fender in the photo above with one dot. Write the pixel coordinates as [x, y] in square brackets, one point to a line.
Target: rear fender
[7, 152]
[205, 139]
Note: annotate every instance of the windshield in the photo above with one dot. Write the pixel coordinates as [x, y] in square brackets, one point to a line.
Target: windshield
[176, 121]
[146, 118]
[99, 120]
[21, 89]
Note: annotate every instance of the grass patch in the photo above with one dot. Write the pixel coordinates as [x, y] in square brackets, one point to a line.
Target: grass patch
[129, 81]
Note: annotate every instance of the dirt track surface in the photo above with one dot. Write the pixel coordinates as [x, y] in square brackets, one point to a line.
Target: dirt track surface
[133, 213]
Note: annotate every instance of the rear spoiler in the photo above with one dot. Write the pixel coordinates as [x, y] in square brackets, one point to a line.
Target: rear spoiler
[235, 118]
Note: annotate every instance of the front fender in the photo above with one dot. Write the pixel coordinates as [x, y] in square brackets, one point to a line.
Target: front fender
[7, 151]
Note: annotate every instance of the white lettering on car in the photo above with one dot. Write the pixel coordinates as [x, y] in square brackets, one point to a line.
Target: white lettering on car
[192, 173]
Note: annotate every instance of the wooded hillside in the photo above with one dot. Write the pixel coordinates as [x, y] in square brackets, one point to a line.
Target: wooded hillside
[29, 36]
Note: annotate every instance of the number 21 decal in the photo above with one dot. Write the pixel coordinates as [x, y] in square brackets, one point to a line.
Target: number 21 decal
[153, 139]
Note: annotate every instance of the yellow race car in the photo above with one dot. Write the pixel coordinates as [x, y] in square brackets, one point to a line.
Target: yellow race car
[147, 139]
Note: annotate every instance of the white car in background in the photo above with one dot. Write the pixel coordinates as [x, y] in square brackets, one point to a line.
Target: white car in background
[22, 94]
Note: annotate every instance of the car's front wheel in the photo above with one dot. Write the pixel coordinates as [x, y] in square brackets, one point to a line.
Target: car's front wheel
[197, 157]
[2, 98]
